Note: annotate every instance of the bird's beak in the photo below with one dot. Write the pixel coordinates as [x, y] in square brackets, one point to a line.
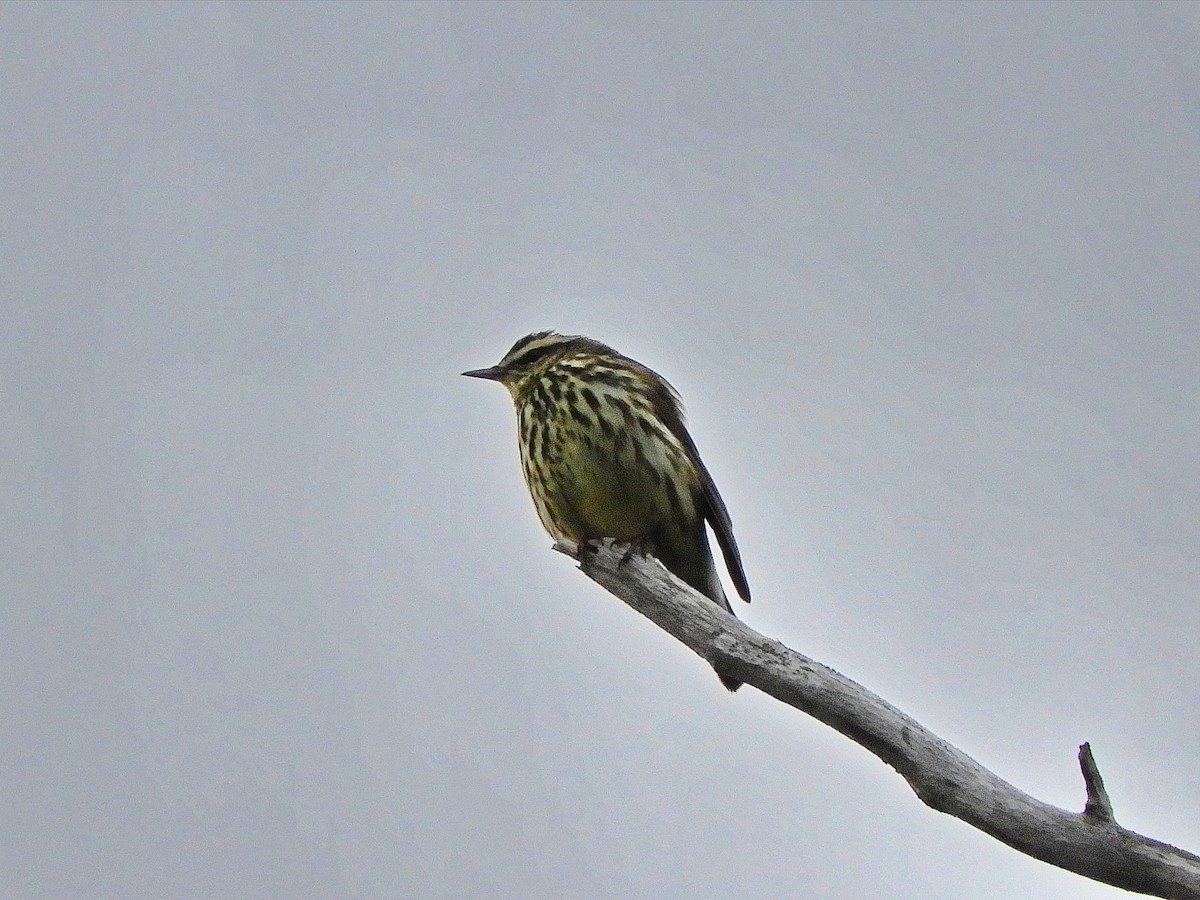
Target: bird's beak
[495, 373]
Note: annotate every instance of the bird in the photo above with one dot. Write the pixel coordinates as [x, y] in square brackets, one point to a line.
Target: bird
[606, 454]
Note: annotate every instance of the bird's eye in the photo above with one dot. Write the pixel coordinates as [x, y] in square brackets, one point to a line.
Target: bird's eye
[529, 357]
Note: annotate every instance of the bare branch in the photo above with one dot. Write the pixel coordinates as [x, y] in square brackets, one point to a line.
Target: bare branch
[1098, 805]
[942, 776]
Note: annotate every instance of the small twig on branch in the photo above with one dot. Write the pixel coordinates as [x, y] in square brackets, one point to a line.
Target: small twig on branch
[1098, 805]
[1091, 844]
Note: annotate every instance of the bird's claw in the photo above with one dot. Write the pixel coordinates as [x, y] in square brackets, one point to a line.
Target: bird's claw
[576, 549]
[636, 545]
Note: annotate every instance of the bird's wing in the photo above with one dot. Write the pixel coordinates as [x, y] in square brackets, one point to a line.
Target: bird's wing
[666, 404]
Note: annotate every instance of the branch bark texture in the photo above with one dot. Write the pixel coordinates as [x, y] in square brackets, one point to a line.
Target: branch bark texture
[1091, 844]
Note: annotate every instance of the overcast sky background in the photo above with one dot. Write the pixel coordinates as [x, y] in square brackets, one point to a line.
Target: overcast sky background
[277, 618]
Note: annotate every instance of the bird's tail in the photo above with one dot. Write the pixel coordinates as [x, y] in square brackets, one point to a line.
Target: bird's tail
[730, 684]
[716, 593]
[689, 557]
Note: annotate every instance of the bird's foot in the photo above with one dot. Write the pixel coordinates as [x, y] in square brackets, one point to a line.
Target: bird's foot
[636, 545]
[576, 549]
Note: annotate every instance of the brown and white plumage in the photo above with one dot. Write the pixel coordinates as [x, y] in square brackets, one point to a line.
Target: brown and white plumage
[606, 455]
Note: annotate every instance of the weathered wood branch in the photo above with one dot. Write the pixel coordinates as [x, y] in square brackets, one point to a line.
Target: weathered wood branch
[1098, 805]
[1090, 843]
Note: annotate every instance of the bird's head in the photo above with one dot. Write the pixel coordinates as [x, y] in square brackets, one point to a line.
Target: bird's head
[528, 359]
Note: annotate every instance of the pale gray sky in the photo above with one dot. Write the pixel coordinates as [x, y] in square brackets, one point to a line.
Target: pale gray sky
[276, 616]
